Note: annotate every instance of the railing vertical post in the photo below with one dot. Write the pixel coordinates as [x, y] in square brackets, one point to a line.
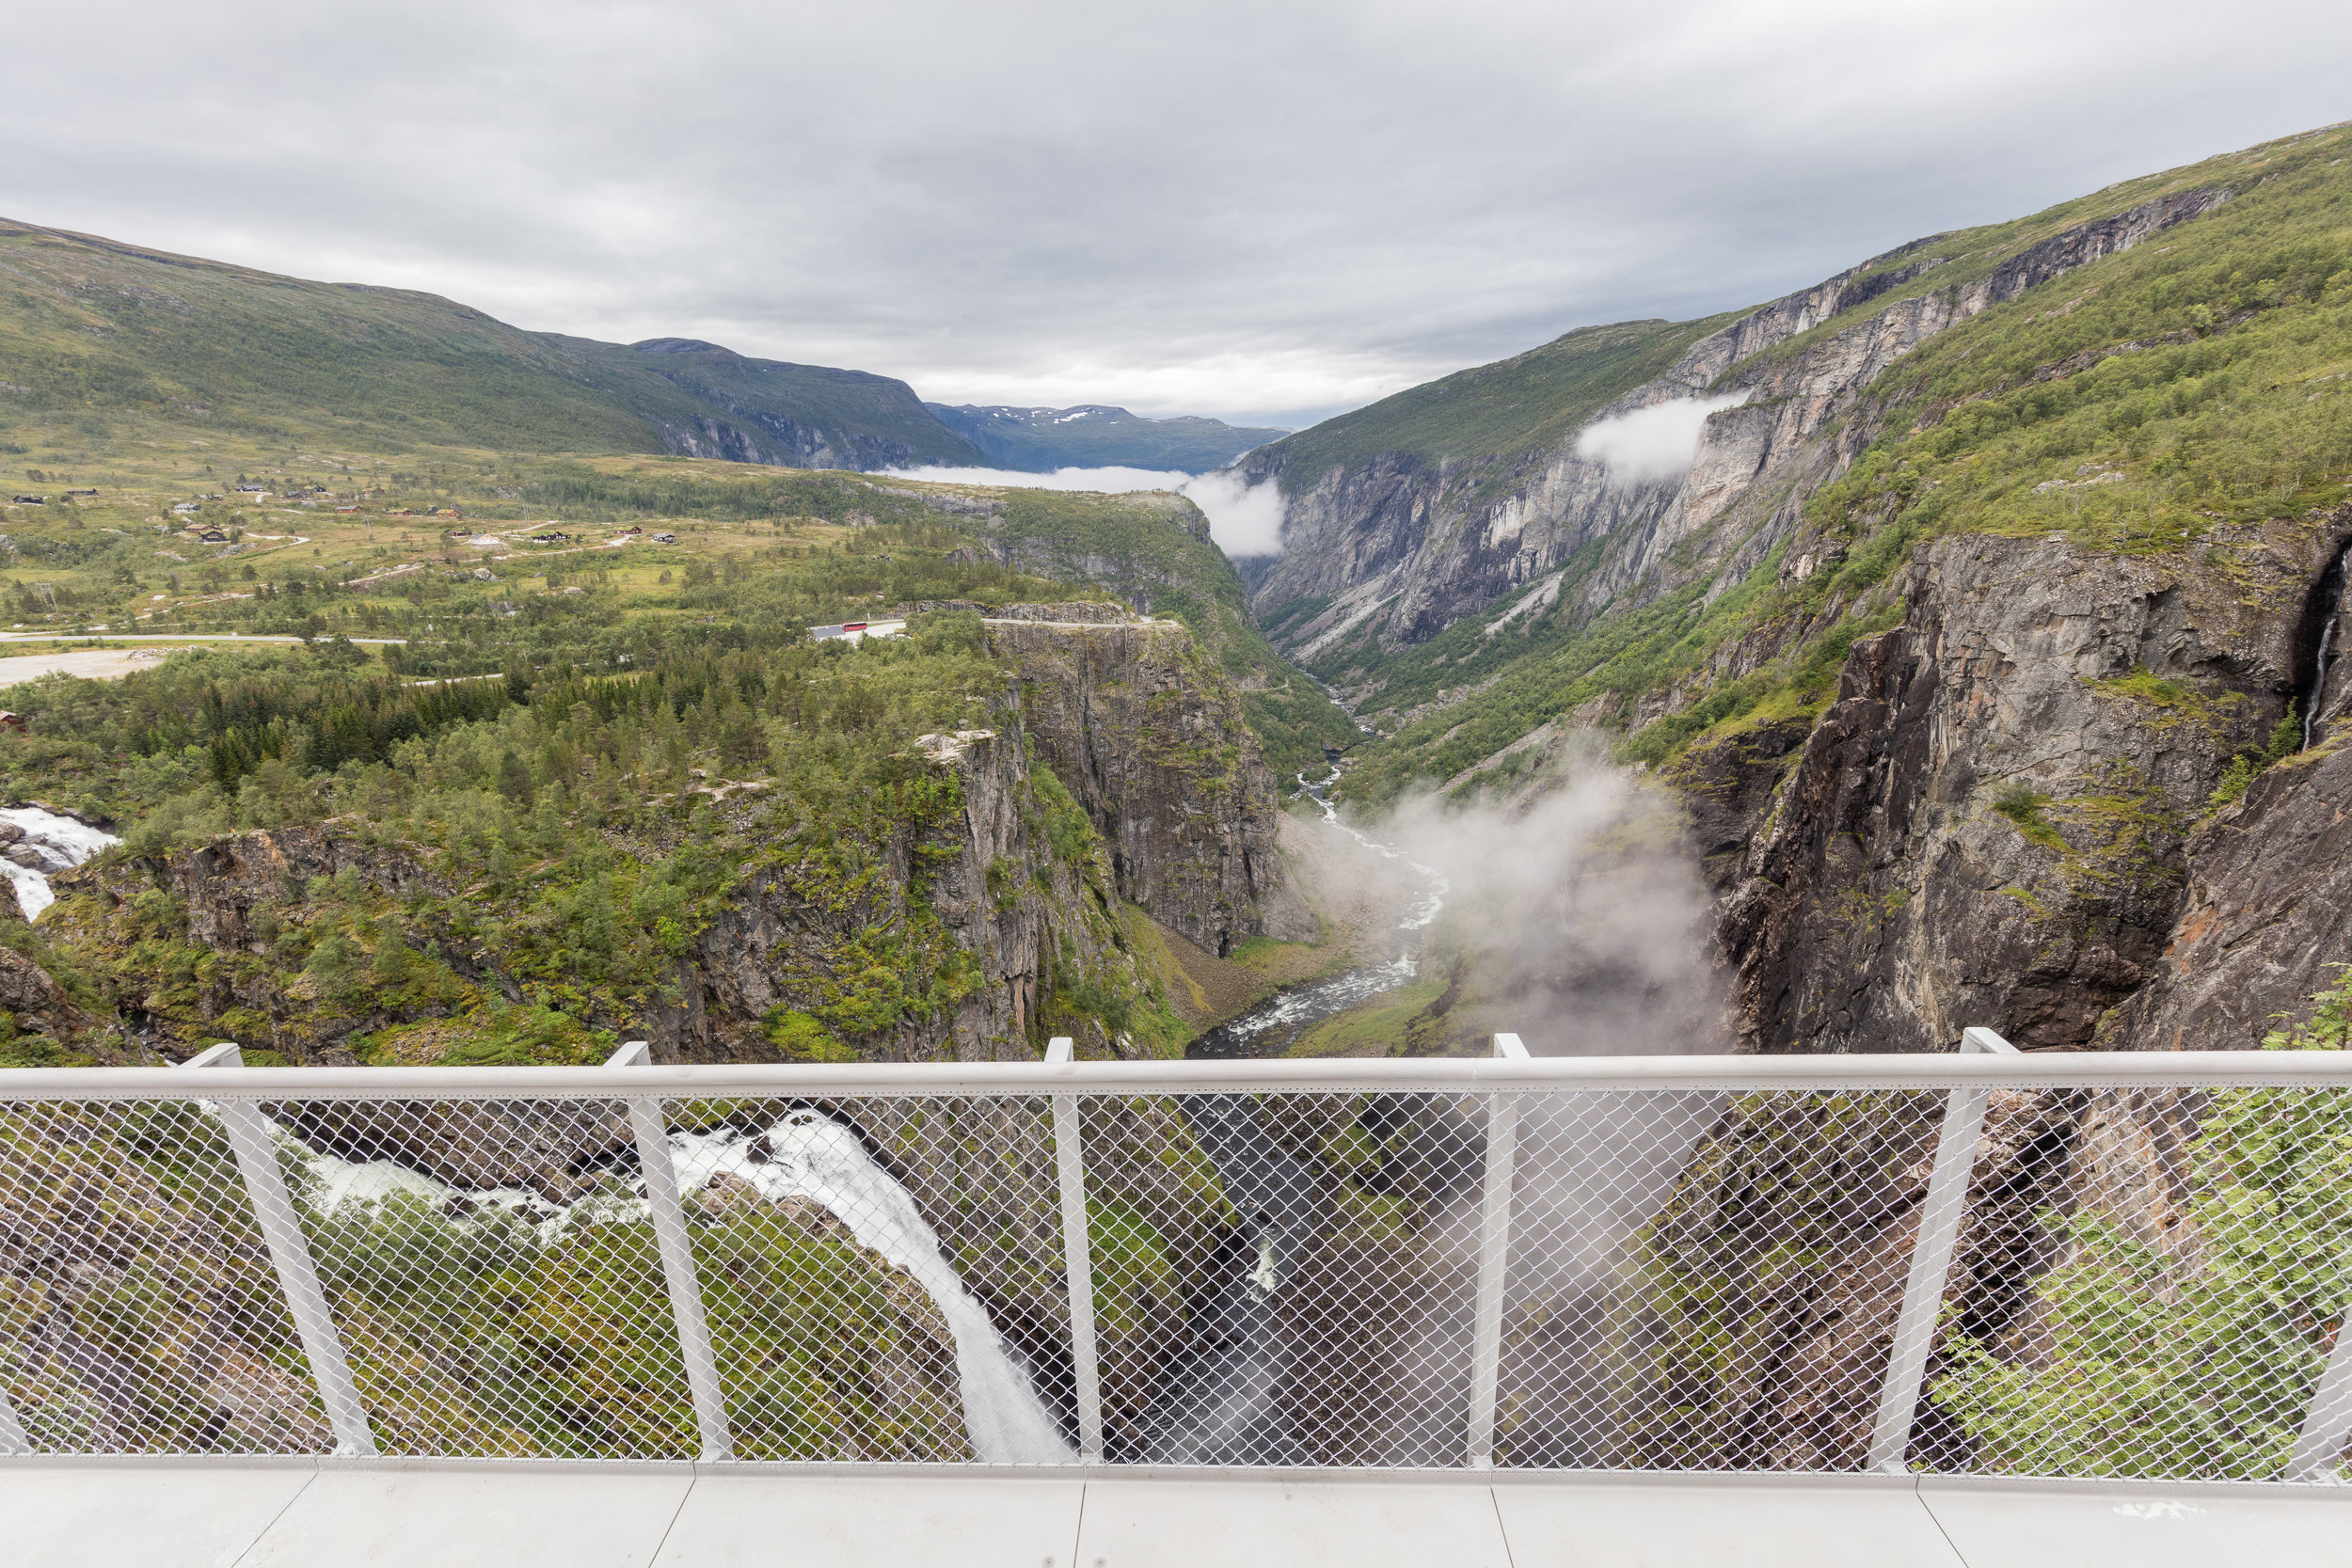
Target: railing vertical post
[668, 1216]
[1940, 1215]
[1494, 1254]
[281, 1227]
[2329, 1422]
[13, 1443]
[1077, 1262]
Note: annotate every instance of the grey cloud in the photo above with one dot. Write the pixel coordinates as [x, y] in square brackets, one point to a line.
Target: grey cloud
[1263, 212]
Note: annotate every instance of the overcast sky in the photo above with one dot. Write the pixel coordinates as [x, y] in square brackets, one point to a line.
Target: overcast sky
[1266, 212]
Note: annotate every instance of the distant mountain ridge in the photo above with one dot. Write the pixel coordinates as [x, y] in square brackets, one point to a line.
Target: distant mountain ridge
[1098, 436]
[107, 329]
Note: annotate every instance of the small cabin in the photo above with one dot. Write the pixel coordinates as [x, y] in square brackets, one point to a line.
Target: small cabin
[212, 536]
[665, 538]
[11, 720]
[30, 501]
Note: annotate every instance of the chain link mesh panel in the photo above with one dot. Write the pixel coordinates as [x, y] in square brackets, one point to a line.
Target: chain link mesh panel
[493, 1272]
[883, 1278]
[1707, 1282]
[139, 1313]
[2147, 1283]
[2170, 1309]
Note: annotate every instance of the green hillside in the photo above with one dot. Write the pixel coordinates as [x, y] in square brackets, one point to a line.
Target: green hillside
[1520, 405]
[2204, 379]
[121, 341]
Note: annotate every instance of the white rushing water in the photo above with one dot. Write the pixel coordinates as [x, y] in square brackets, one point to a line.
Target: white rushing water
[803, 1156]
[1307, 1003]
[809, 1156]
[56, 842]
[1432, 901]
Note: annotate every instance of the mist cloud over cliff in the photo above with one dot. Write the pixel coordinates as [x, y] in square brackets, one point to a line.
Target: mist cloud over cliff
[1585, 908]
[1583, 912]
[1652, 443]
[1244, 519]
[1263, 212]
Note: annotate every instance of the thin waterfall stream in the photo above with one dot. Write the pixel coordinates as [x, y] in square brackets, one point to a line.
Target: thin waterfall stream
[2331, 593]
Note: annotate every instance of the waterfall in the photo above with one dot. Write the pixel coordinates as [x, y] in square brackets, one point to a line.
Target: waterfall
[56, 842]
[807, 1156]
[2319, 681]
[803, 1156]
[2332, 595]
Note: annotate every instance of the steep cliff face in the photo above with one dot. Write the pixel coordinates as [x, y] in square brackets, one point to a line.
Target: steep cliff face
[1992, 819]
[2262, 922]
[984, 870]
[1399, 548]
[1135, 720]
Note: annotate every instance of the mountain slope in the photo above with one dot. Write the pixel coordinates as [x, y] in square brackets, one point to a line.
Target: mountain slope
[1980, 630]
[1095, 436]
[102, 331]
[1443, 546]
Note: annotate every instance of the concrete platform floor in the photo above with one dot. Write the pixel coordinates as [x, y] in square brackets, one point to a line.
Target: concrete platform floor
[157, 1513]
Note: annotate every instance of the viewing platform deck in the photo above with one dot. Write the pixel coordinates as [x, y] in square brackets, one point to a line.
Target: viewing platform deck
[309, 1513]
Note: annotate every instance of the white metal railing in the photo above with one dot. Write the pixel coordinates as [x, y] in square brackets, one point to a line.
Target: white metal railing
[1508, 1262]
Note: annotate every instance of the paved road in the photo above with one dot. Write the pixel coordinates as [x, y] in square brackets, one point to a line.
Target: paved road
[870, 628]
[165, 637]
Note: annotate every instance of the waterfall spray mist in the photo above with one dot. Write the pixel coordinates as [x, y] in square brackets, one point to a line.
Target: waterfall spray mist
[1581, 910]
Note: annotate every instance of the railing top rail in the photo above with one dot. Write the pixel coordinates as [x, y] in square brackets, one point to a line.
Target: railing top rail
[2073, 1069]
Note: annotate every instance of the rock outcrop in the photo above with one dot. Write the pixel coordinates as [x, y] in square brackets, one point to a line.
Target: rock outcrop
[2262, 919]
[1138, 722]
[32, 1002]
[2005, 817]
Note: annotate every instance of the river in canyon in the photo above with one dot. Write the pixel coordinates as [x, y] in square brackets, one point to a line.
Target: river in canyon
[1268, 1028]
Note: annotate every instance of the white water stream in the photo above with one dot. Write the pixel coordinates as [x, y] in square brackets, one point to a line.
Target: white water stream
[1301, 1006]
[803, 1156]
[806, 1155]
[57, 843]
